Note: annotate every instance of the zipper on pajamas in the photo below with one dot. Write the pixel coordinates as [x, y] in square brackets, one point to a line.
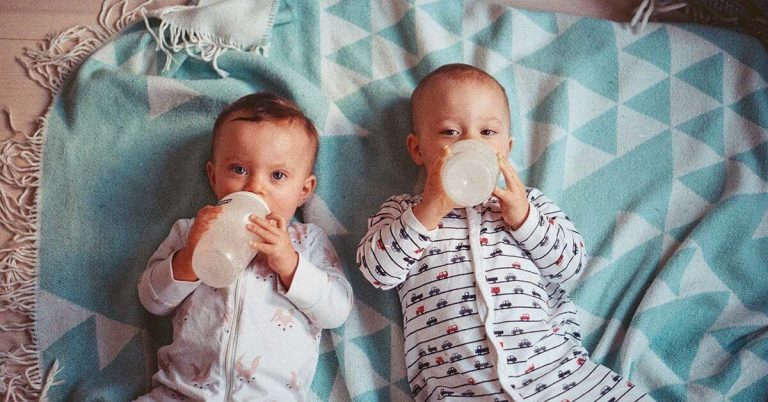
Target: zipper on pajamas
[229, 365]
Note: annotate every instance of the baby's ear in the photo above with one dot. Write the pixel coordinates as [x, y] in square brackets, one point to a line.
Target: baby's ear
[308, 188]
[210, 169]
[414, 148]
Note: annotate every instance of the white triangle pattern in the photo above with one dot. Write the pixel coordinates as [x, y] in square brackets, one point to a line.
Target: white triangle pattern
[689, 154]
[527, 36]
[479, 15]
[144, 62]
[581, 160]
[741, 135]
[392, 58]
[683, 55]
[316, 211]
[756, 372]
[364, 321]
[165, 94]
[631, 230]
[687, 102]
[659, 294]
[387, 13]
[742, 80]
[485, 58]
[430, 35]
[688, 206]
[532, 86]
[106, 54]
[345, 81]
[338, 33]
[584, 105]
[58, 316]
[111, 337]
[636, 75]
[742, 180]
[762, 229]
[710, 359]
[634, 129]
[736, 314]
[356, 361]
[338, 124]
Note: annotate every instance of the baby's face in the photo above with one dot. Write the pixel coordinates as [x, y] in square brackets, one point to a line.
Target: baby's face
[271, 159]
[451, 110]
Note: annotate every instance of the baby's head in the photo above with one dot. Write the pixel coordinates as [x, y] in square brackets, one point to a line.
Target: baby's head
[457, 102]
[264, 144]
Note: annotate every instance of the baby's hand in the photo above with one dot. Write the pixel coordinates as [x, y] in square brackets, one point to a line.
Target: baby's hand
[182, 260]
[435, 204]
[513, 199]
[276, 245]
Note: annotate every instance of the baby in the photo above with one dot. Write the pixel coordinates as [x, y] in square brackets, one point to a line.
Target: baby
[483, 289]
[259, 337]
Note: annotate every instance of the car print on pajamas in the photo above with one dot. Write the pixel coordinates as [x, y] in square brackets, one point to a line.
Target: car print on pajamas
[380, 244]
[420, 310]
[511, 359]
[465, 310]
[409, 260]
[563, 374]
[435, 290]
[442, 275]
[495, 290]
[556, 245]
[535, 294]
[481, 365]
[539, 349]
[446, 345]
[380, 270]
[517, 331]
[423, 268]
[422, 353]
[510, 278]
[457, 258]
[498, 332]
[396, 246]
[491, 279]
[525, 317]
[423, 365]
[444, 392]
[483, 241]
[569, 385]
[496, 253]
[431, 321]
[518, 290]
[462, 246]
[468, 392]
[415, 390]
[423, 238]
[439, 360]
[403, 234]
[442, 303]
[541, 387]
[452, 371]
[416, 297]
[480, 350]
[505, 304]
[456, 357]
[530, 369]
[452, 329]
[606, 389]
[559, 261]
[466, 297]
[516, 265]
[434, 250]
[527, 381]
[544, 241]
[431, 349]
[524, 344]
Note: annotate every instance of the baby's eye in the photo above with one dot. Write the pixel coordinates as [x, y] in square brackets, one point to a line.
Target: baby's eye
[239, 170]
[278, 175]
[488, 132]
[450, 132]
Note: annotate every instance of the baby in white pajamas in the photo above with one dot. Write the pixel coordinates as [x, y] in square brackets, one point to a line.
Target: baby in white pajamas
[483, 289]
[258, 338]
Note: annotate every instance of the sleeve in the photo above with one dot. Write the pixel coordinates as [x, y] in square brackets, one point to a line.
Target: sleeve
[159, 293]
[551, 240]
[393, 243]
[319, 288]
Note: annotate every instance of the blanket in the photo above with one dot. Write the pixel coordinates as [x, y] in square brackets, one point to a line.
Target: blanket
[654, 143]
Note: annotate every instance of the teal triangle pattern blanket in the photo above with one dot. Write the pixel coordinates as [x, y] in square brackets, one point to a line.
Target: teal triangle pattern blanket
[655, 143]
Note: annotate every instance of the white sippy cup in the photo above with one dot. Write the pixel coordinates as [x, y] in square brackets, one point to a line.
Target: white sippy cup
[470, 175]
[223, 251]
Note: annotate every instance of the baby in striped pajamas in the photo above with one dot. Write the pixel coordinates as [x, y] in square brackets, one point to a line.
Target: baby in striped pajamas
[483, 289]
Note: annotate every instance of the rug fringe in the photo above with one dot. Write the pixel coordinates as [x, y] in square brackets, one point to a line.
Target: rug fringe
[171, 38]
[49, 65]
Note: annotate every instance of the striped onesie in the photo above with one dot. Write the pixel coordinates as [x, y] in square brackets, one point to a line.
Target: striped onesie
[486, 311]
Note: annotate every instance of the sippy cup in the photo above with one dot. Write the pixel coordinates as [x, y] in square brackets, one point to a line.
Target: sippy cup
[223, 251]
[470, 175]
